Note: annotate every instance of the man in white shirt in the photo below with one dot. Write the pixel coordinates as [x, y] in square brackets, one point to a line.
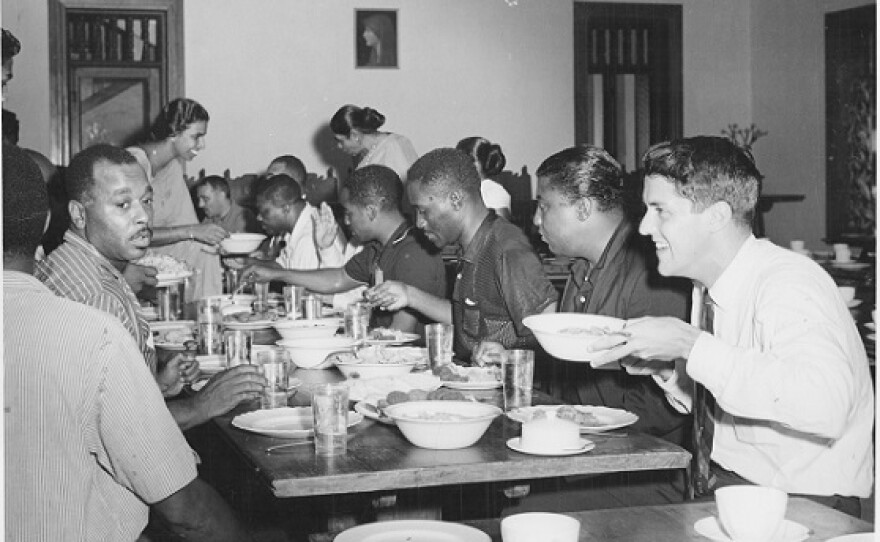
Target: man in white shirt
[782, 359]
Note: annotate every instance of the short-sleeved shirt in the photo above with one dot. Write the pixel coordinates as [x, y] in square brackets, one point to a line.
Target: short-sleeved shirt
[237, 220]
[77, 271]
[625, 283]
[500, 281]
[405, 258]
[89, 441]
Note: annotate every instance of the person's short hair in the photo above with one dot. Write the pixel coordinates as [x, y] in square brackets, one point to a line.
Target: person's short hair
[11, 45]
[176, 117]
[216, 182]
[25, 203]
[375, 185]
[79, 178]
[707, 170]
[293, 166]
[364, 119]
[279, 190]
[10, 127]
[484, 152]
[446, 169]
[585, 171]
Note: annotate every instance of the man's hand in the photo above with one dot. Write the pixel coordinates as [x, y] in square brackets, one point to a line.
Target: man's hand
[649, 338]
[391, 295]
[209, 234]
[488, 353]
[262, 272]
[138, 276]
[325, 227]
[227, 389]
[171, 378]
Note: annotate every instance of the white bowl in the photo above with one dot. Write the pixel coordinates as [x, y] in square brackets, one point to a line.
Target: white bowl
[357, 369]
[307, 329]
[751, 512]
[312, 353]
[532, 526]
[442, 425]
[242, 243]
[566, 335]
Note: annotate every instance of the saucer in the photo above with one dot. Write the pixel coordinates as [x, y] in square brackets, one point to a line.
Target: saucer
[585, 446]
[789, 531]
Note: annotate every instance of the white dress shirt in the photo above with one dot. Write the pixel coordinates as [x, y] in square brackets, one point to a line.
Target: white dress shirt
[300, 250]
[790, 376]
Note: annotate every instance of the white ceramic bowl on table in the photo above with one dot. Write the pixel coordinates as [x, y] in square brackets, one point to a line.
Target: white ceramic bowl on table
[242, 243]
[313, 353]
[566, 335]
[443, 425]
[307, 329]
[353, 368]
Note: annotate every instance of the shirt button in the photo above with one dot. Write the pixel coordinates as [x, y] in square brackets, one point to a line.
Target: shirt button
[583, 299]
[458, 276]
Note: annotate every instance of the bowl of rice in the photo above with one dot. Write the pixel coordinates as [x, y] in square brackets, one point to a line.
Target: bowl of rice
[566, 335]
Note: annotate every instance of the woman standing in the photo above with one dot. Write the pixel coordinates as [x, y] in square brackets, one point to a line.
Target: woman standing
[357, 134]
[490, 161]
[177, 136]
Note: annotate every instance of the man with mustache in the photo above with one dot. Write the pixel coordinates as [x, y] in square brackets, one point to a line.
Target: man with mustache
[110, 217]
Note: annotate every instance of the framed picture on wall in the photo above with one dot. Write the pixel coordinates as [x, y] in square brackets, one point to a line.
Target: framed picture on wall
[375, 38]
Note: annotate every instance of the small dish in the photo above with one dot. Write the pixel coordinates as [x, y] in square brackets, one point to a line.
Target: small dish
[789, 531]
[516, 445]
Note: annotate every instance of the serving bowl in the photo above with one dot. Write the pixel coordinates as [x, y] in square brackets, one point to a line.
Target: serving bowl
[442, 425]
[242, 243]
[312, 353]
[352, 367]
[315, 328]
[566, 335]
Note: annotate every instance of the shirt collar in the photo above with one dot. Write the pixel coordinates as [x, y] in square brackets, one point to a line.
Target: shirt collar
[479, 240]
[615, 244]
[728, 288]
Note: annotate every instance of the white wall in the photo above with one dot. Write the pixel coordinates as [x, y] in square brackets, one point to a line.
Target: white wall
[271, 73]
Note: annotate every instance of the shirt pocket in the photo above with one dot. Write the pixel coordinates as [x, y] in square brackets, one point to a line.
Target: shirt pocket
[470, 317]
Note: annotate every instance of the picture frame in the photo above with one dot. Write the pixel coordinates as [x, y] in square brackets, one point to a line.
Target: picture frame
[375, 38]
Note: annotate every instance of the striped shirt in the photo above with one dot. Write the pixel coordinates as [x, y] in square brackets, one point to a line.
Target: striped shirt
[77, 271]
[89, 441]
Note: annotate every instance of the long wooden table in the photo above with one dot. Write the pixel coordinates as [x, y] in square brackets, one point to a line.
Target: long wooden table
[675, 522]
[380, 458]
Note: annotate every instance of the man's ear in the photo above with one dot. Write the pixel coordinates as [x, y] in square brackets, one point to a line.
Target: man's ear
[719, 215]
[372, 211]
[77, 214]
[455, 198]
[584, 208]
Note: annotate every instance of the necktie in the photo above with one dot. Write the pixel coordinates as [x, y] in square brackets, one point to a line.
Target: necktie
[702, 480]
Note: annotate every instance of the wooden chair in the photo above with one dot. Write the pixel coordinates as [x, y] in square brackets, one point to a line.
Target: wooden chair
[522, 205]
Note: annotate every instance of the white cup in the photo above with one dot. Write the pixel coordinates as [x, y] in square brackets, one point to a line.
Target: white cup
[797, 245]
[751, 513]
[540, 526]
[848, 293]
[842, 252]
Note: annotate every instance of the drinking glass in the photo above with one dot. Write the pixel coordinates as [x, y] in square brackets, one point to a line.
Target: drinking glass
[517, 368]
[210, 326]
[238, 347]
[293, 299]
[438, 338]
[357, 319]
[275, 366]
[330, 411]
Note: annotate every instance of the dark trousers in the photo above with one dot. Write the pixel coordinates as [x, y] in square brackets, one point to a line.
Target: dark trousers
[847, 505]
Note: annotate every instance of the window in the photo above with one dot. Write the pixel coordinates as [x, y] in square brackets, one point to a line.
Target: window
[113, 67]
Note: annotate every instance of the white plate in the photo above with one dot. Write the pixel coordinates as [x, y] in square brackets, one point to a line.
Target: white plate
[475, 385]
[853, 303]
[285, 422]
[248, 326]
[610, 418]
[850, 265]
[871, 336]
[789, 531]
[292, 384]
[858, 537]
[871, 325]
[373, 389]
[401, 337]
[412, 530]
[363, 408]
[586, 445]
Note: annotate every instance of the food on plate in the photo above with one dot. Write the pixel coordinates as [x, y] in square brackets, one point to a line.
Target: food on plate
[550, 433]
[247, 317]
[440, 394]
[173, 336]
[164, 264]
[595, 330]
[387, 334]
[450, 372]
[384, 355]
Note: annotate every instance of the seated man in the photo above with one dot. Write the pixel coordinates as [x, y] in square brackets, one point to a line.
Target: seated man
[111, 211]
[90, 447]
[392, 250]
[289, 165]
[772, 365]
[215, 201]
[500, 279]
